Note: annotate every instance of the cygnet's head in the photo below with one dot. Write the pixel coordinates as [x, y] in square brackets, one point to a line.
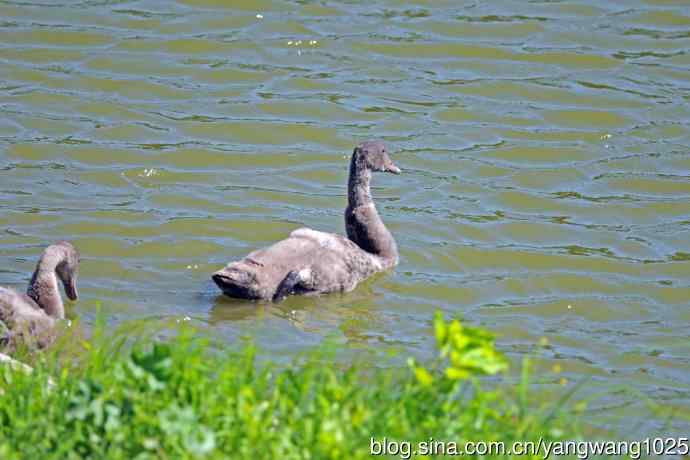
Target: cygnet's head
[66, 258]
[373, 155]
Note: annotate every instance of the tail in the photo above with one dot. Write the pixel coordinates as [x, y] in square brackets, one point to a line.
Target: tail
[236, 280]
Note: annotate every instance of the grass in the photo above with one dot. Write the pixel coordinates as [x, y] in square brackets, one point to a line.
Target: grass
[182, 399]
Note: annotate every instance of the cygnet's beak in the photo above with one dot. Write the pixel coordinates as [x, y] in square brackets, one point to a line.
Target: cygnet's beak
[71, 289]
[391, 168]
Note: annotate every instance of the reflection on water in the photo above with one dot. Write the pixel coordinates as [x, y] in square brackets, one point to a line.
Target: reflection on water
[544, 146]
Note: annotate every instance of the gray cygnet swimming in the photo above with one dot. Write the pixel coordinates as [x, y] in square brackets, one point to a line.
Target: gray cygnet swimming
[314, 262]
[31, 317]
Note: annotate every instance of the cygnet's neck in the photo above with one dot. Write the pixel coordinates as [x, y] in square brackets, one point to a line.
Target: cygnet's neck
[358, 190]
[43, 287]
[363, 223]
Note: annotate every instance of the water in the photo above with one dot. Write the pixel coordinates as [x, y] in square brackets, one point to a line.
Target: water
[545, 149]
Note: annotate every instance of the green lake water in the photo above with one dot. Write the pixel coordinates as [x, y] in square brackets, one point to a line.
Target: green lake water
[546, 187]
